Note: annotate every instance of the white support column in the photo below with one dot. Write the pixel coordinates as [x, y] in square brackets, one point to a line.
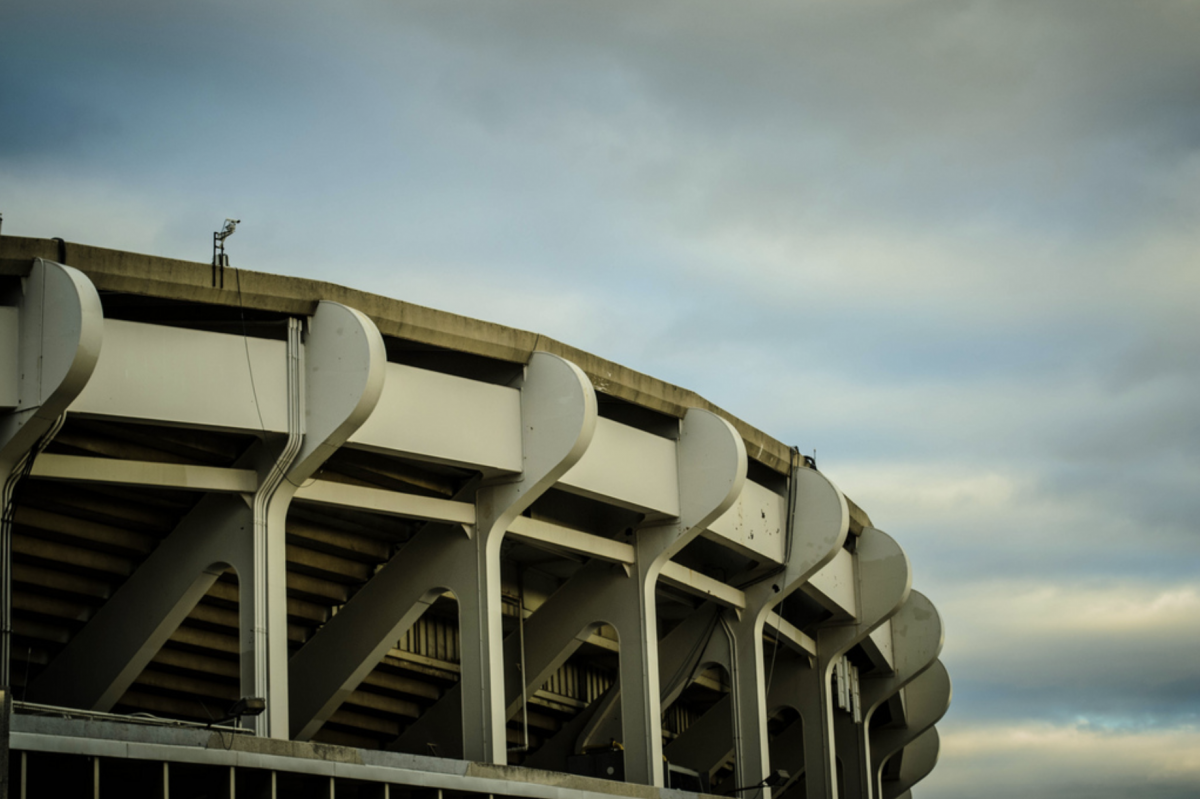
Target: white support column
[818, 522]
[59, 328]
[712, 471]
[917, 637]
[335, 379]
[558, 420]
[918, 760]
[927, 699]
[884, 580]
[263, 590]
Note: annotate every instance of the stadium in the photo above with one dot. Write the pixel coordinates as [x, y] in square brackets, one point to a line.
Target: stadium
[268, 536]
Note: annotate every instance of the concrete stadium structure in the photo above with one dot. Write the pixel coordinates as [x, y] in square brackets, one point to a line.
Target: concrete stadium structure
[439, 556]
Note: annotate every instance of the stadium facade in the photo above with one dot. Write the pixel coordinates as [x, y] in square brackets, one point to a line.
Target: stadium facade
[265, 536]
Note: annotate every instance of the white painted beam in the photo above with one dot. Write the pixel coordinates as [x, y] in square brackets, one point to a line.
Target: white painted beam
[702, 585]
[818, 522]
[58, 336]
[792, 634]
[462, 422]
[390, 503]
[629, 468]
[113, 471]
[834, 584]
[155, 373]
[565, 538]
[755, 525]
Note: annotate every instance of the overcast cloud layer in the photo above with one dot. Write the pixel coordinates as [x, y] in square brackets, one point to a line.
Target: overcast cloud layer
[950, 246]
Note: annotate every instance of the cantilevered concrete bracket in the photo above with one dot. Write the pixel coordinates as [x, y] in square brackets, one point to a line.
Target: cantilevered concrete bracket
[818, 523]
[927, 698]
[919, 758]
[884, 580]
[53, 329]
[335, 378]
[558, 412]
[558, 420]
[711, 461]
[917, 637]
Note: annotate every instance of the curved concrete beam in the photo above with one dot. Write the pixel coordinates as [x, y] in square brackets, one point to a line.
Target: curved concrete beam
[558, 421]
[60, 329]
[346, 366]
[883, 581]
[917, 637]
[335, 378]
[919, 758]
[926, 700]
[711, 464]
[818, 523]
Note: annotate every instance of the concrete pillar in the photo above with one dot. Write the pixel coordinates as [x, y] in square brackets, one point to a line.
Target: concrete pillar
[712, 470]
[917, 637]
[53, 326]
[919, 758]
[335, 378]
[558, 421]
[884, 579]
[818, 523]
[927, 698]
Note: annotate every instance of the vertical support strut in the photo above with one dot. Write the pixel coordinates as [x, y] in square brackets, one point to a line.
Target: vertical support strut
[270, 554]
[818, 522]
[558, 420]
[712, 464]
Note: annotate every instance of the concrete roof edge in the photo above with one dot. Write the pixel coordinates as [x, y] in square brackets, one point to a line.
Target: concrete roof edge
[169, 278]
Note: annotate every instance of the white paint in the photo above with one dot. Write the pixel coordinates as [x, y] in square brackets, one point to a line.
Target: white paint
[755, 524]
[629, 468]
[145, 473]
[445, 419]
[171, 375]
[834, 585]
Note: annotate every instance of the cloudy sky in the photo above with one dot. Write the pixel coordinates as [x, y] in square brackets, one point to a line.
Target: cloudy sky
[951, 246]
